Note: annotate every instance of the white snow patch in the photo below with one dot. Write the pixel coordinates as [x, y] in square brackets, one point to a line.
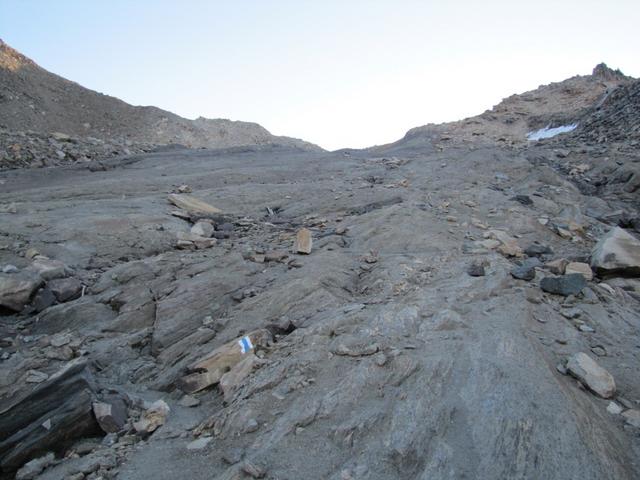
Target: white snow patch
[547, 132]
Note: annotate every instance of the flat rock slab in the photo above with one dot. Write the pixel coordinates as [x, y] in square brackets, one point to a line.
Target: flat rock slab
[592, 375]
[192, 204]
[304, 241]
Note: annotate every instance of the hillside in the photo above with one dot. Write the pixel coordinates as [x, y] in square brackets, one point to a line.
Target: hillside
[35, 100]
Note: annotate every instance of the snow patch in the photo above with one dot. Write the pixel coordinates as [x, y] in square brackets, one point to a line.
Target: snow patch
[548, 132]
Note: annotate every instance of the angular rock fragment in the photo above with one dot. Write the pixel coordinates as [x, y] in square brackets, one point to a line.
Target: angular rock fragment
[17, 289]
[617, 253]
[527, 269]
[192, 204]
[476, 270]
[564, 285]
[303, 241]
[202, 229]
[578, 267]
[154, 417]
[592, 375]
[209, 370]
[557, 266]
[632, 417]
[537, 250]
[351, 346]
[111, 415]
[65, 289]
[34, 467]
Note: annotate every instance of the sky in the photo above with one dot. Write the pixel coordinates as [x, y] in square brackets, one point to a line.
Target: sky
[335, 73]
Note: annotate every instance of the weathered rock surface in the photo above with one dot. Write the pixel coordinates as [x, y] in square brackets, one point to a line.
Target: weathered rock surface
[47, 417]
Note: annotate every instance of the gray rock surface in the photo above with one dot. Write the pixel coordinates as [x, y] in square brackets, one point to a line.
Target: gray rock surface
[617, 253]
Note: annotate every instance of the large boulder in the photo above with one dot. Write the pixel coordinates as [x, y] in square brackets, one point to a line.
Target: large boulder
[48, 417]
[617, 253]
[17, 289]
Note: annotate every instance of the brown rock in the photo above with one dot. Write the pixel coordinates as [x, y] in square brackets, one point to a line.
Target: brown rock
[153, 418]
[303, 241]
[192, 204]
[209, 370]
[579, 267]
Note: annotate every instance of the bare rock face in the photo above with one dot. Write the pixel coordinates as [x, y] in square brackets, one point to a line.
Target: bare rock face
[17, 289]
[617, 253]
[47, 417]
[592, 375]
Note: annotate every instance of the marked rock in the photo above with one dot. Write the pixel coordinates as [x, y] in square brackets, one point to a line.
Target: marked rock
[209, 370]
[592, 375]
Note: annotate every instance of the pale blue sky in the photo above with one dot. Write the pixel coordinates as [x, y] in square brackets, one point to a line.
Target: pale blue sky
[336, 73]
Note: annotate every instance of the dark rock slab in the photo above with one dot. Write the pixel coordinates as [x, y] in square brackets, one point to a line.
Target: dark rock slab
[566, 285]
[47, 417]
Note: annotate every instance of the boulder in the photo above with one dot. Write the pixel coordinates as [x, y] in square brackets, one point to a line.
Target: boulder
[209, 370]
[592, 375]
[617, 253]
[578, 267]
[564, 285]
[47, 417]
[16, 290]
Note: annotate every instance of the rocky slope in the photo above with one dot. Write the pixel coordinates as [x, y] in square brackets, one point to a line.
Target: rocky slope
[461, 308]
[508, 123]
[34, 102]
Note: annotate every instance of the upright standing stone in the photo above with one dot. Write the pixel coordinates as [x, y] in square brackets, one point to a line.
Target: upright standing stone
[303, 241]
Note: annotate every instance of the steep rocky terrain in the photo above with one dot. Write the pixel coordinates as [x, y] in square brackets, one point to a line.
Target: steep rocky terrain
[34, 102]
[435, 308]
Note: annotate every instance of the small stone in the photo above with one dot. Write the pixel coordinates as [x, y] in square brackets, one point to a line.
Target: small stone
[537, 250]
[184, 189]
[561, 368]
[202, 229]
[557, 266]
[17, 289]
[189, 401]
[614, 409]
[476, 270]
[303, 241]
[31, 253]
[592, 375]
[571, 313]
[632, 417]
[10, 269]
[60, 339]
[380, 359]
[581, 268]
[599, 351]
[527, 270]
[586, 329]
[564, 285]
[199, 444]
[48, 269]
[251, 426]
